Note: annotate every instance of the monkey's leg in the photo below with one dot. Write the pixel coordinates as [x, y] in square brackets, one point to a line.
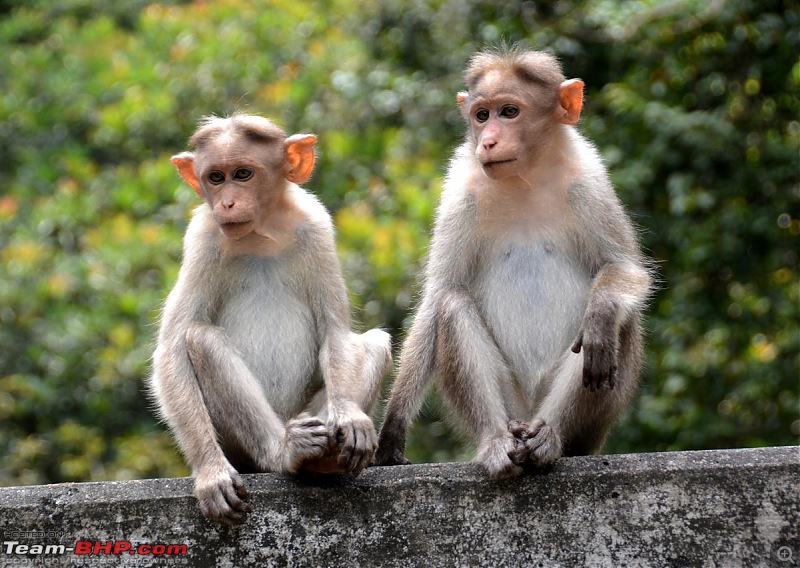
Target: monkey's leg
[472, 370]
[247, 426]
[372, 351]
[377, 357]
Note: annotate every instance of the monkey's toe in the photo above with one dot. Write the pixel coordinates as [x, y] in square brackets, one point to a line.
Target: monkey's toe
[386, 456]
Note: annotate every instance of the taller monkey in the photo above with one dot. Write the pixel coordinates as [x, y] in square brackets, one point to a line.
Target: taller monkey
[535, 285]
[256, 368]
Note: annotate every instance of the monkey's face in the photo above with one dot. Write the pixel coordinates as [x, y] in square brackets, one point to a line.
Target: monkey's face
[495, 130]
[240, 180]
[241, 168]
[232, 191]
[510, 122]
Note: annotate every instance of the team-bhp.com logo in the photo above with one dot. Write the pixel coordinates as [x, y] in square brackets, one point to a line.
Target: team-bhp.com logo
[95, 548]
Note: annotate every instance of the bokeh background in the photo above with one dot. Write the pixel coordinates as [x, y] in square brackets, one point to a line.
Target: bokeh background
[693, 104]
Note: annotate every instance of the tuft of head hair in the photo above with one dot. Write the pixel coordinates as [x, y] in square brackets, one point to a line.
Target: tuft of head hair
[252, 127]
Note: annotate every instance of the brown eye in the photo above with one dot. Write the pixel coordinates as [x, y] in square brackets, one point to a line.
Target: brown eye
[482, 115]
[243, 174]
[509, 111]
[216, 177]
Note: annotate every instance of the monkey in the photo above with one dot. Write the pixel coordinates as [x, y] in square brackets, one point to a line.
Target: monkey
[256, 368]
[530, 316]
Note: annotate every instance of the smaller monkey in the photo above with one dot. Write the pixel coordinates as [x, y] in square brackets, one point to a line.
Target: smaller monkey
[256, 368]
[534, 287]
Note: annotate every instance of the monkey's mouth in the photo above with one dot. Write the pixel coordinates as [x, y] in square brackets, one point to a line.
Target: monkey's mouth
[498, 162]
[236, 229]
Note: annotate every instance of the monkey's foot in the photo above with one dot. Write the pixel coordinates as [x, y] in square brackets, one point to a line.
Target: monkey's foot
[494, 455]
[221, 495]
[535, 442]
[357, 440]
[306, 438]
[390, 456]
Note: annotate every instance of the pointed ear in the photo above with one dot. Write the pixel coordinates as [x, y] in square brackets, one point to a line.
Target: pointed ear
[570, 94]
[185, 164]
[300, 158]
[461, 98]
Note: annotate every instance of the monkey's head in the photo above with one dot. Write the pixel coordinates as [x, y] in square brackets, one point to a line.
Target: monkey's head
[241, 166]
[515, 99]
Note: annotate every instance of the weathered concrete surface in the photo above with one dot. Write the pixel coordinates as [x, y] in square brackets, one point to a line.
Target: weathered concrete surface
[711, 508]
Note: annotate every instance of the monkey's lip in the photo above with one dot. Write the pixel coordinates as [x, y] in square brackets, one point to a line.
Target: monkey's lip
[498, 162]
[235, 228]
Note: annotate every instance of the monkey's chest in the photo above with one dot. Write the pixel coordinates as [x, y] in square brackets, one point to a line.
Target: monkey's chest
[532, 297]
[274, 332]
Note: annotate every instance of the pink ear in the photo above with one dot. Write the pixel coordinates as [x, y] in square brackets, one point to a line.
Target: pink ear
[300, 157]
[461, 98]
[185, 164]
[570, 94]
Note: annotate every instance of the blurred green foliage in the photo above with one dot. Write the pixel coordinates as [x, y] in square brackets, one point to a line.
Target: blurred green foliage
[694, 106]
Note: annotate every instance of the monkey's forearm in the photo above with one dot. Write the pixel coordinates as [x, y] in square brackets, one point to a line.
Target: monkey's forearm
[340, 370]
[618, 294]
[183, 407]
[415, 366]
[342, 360]
[414, 374]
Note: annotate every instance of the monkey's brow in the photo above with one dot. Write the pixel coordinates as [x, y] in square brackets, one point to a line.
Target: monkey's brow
[530, 76]
[522, 73]
[260, 135]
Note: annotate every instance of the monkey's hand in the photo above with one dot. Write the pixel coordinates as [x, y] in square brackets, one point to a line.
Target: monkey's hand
[221, 494]
[534, 442]
[599, 358]
[392, 441]
[307, 437]
[356, 439]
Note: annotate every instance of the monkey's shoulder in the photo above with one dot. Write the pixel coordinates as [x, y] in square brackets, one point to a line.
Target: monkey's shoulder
[312, 224]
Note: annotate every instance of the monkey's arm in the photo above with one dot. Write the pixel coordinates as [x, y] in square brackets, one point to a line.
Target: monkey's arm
[418, 354]
[181, 404]
[413, 376]
[622, 279]
[618, 294]
[339, 353]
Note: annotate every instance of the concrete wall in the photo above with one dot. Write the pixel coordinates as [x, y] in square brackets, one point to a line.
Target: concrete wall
[712, 508]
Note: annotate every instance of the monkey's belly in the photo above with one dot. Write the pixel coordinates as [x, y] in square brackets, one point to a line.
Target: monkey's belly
[532, 298]
[274, 333]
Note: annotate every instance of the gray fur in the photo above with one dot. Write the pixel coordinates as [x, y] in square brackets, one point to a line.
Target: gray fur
[530, 324]
[256, 368]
